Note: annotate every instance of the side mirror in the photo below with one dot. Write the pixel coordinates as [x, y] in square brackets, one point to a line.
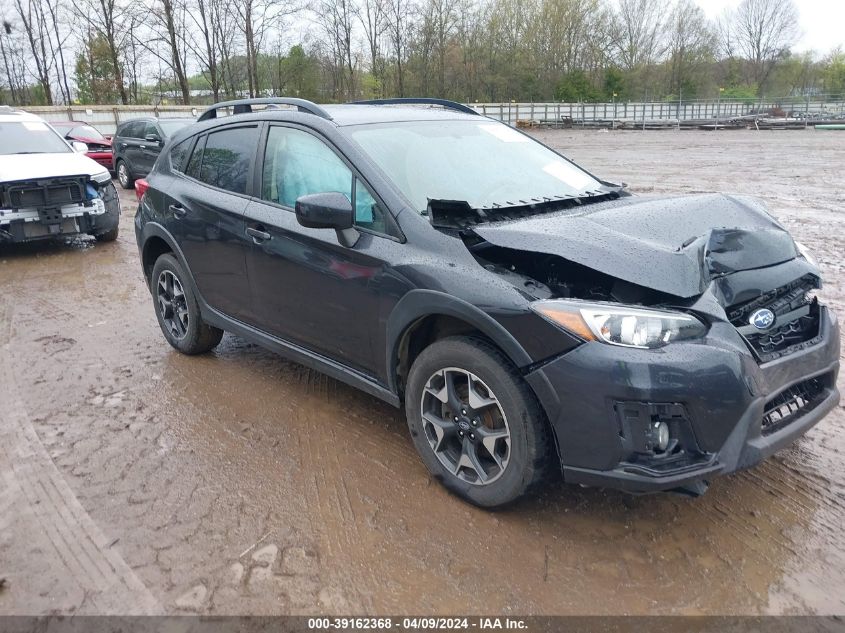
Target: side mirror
[79, 147]
[152, 138]
[329, 210]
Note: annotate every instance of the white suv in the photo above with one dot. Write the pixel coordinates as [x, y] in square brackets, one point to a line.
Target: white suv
[49, 188]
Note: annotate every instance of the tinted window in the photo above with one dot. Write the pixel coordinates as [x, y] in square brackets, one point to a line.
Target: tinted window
[193, 168]
[179, 154]
[297, 163]
[132, 129]
[150, 128]
[227, 158]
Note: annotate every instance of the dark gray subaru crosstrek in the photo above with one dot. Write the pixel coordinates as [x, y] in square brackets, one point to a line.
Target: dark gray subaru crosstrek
[527, 314]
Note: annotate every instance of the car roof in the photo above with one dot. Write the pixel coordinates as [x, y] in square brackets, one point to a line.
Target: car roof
[12, 115]
[342, 115]
[362, 114]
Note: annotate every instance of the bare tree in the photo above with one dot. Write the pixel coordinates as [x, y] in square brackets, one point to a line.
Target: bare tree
[34, 21]
[763, 31]
[399, 25]
[440, 19]
[373, 15]
[336, 19]
[6, 48]
[691, 43]
[203, 40]
[638, 33]
[255, 18]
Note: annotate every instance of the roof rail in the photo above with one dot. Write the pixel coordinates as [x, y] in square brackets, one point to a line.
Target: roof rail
[450, 105]
[244, 106]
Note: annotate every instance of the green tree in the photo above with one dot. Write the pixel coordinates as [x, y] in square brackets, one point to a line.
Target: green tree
[576, 86]
[95, 72]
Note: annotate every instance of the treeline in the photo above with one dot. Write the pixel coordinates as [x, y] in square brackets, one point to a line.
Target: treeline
[197, 51]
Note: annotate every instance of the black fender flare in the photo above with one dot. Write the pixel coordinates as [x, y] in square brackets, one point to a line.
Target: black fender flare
[154, 229]
[418, 304]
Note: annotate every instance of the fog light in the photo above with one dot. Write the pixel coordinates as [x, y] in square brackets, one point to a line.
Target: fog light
[660, 435]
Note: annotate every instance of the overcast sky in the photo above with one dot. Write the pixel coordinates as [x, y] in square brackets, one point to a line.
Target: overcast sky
[822, 22]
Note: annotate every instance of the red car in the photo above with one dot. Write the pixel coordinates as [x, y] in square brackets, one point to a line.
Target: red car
[99, 147]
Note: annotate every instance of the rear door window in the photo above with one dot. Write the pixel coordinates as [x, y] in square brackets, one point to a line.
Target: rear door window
[227, 158]
[150, 128]
[133, 129]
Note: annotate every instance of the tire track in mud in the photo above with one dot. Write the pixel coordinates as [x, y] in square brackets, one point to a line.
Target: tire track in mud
[36, 487]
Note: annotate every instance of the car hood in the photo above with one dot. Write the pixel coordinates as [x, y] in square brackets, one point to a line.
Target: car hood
[674, 245]
[93, 141]
[28, 166]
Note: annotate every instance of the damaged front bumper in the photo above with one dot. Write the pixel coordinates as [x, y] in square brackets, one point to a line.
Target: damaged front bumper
[98, 213]
[725, 411]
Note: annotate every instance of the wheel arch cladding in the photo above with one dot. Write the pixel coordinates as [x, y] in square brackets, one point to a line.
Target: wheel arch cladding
[154, 247]
[423, 316]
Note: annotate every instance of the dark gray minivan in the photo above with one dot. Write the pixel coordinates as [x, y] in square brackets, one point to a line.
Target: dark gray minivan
[138, 142]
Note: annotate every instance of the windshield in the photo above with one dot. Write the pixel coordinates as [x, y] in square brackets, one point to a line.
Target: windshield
[86, 131]
[483, 163]
[171, 127]
[30, 137]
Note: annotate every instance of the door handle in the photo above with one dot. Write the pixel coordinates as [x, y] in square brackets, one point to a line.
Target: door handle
[143, 146]
[178, 211]
[258, 235]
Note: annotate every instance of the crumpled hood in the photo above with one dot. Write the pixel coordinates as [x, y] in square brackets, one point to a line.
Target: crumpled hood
[674, 245]
[28, 166]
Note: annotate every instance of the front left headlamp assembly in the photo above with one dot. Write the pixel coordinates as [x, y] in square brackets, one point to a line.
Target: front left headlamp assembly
[622, 325]
[102, 178]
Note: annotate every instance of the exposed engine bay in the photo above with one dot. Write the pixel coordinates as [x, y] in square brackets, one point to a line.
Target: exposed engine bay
[543, 276]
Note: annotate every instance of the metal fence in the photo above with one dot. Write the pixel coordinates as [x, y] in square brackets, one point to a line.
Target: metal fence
[106, 118]
[632, 112]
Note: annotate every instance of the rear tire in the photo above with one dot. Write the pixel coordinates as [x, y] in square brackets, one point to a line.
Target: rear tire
[177, 309]
[500, 427]
[124, 176]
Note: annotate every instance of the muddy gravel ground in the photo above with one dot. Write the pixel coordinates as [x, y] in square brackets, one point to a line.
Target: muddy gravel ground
[137, 480]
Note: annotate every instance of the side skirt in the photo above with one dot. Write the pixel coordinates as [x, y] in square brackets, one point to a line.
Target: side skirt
[300, 355]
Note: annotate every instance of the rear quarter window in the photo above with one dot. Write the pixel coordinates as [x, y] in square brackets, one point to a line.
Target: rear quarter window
[179, 155]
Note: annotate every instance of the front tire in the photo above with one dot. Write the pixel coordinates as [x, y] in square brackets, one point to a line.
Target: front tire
[123, 176]
[108, 236]
[475, 422]
[178, 311]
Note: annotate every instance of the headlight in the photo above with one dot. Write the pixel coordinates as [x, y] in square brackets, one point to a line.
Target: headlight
[806, 254]
[619, 324]
[103, 177]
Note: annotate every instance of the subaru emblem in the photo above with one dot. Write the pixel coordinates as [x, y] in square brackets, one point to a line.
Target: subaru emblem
[762, 319]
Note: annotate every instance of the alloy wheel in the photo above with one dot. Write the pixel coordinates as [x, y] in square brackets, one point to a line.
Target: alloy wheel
[172, 304]
[465, 426]
[122, 175]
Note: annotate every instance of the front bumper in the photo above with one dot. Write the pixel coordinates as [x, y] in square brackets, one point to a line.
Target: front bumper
[98, 215]
[716, 382]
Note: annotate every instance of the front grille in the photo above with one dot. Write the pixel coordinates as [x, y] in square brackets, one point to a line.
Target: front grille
[796, 319]
[792, 403]
[45, 193]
